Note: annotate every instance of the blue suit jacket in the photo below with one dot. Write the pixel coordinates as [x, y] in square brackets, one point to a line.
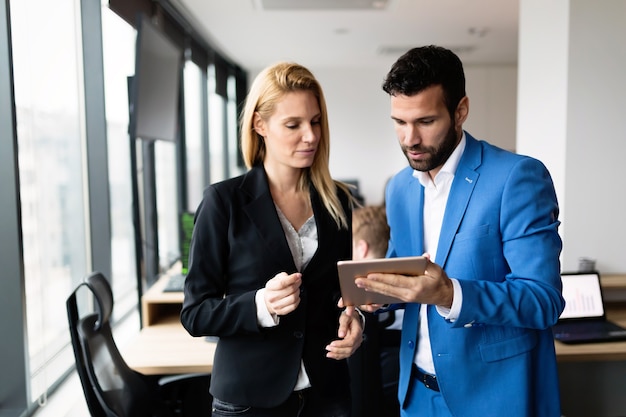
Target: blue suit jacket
[499, 239]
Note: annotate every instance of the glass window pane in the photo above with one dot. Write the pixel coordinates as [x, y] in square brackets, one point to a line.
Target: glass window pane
[193, 135]
[217, 153]
[233, 139]
[48, 95]
[119, 63]
[167, 202]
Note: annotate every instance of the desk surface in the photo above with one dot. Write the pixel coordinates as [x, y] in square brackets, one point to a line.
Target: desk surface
[606, 351]
[167, 348]
[163, 346]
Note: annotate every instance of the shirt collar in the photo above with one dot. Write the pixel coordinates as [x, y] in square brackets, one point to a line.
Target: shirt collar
[448, 169]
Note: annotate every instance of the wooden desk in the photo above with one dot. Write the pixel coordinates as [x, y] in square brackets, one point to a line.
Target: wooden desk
[607, 351]
[613, 286]
[166, 348]
[612, 282]
[158, 306]
[163, 346]
[592, 374]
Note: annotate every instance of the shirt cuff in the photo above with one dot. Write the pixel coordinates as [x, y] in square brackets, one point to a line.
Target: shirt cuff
[263, 316]
[362, 317]
[454, 311]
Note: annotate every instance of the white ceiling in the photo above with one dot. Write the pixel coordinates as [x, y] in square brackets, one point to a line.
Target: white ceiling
[350, 33]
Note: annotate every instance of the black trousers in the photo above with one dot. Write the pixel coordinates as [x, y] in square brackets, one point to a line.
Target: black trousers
[305, 403]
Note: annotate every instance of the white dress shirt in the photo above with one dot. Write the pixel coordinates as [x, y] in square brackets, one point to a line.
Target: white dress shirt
[435, 199]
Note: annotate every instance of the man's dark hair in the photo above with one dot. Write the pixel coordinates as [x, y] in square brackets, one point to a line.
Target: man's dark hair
[424, 67]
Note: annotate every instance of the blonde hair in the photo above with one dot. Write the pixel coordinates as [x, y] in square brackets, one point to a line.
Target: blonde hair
[266, 91]
[369, 223]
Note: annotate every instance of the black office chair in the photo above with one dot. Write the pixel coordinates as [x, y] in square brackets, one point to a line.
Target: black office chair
[111, 387]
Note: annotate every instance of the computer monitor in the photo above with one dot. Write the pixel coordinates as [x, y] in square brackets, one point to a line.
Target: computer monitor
[355, 190]
[186, 230]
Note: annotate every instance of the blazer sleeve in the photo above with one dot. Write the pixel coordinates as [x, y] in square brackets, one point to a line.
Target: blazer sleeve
[511, 274]
[209, 307]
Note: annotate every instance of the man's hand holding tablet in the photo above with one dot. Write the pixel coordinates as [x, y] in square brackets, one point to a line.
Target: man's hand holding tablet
[349, 271]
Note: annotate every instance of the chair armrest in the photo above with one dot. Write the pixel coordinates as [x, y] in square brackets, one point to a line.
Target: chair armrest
[184, 378]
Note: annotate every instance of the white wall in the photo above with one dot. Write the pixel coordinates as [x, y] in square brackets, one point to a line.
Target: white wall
[571, 110]
[564, 105]
[363, 143]
[595, 191]
[492, 91]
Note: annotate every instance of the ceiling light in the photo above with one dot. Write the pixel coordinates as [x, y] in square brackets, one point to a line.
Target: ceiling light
[400, 50]
[321, 4]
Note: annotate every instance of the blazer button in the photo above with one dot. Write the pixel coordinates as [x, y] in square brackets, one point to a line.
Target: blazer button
[298, 334]
[411, 344]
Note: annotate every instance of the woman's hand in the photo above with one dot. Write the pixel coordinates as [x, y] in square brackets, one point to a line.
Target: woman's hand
[282, 293]
[350, 334]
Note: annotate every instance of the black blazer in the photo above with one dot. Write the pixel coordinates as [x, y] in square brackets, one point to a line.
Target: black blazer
[238, 244]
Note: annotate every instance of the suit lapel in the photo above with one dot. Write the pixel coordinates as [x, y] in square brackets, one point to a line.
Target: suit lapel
[463, 185]
[262, 214]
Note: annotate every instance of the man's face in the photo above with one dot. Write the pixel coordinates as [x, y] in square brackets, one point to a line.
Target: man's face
[425, 130]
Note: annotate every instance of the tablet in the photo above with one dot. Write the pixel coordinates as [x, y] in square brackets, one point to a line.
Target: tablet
[350, 270]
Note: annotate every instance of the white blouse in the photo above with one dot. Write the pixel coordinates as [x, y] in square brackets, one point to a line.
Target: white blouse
[303, 243]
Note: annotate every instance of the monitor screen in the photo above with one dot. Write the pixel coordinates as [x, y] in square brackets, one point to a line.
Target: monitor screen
[583, 295]
[355, 189]
[186, 230]
[156, 84]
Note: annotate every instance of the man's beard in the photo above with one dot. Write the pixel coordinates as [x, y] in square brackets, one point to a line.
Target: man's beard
[437, 155]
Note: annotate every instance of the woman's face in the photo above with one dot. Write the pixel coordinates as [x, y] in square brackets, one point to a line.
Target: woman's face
[292, 133]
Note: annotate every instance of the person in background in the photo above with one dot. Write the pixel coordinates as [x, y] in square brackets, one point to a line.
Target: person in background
[476, 337]
[378, 355]
[263, 262]
[370, 232]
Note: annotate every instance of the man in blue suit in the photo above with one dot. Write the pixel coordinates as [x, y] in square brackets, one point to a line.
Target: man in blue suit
[476, 338]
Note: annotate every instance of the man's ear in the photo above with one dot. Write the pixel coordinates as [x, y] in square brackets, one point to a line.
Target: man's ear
[461, 113]
[259, 124]
[361, 249]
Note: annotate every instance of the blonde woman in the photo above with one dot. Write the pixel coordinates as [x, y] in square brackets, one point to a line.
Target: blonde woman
[262, 267]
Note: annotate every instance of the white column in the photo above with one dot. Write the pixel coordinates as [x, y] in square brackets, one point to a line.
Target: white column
[571, 111]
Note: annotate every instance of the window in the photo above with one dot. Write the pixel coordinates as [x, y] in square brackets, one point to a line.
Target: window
[232, 131]
[69, 120]
[119, 63]
[194, 134]
[48, 95]
[218, 161]
[166, 202]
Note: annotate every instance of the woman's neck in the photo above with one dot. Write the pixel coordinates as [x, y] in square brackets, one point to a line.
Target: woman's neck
[293, 202]
[284, 180]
